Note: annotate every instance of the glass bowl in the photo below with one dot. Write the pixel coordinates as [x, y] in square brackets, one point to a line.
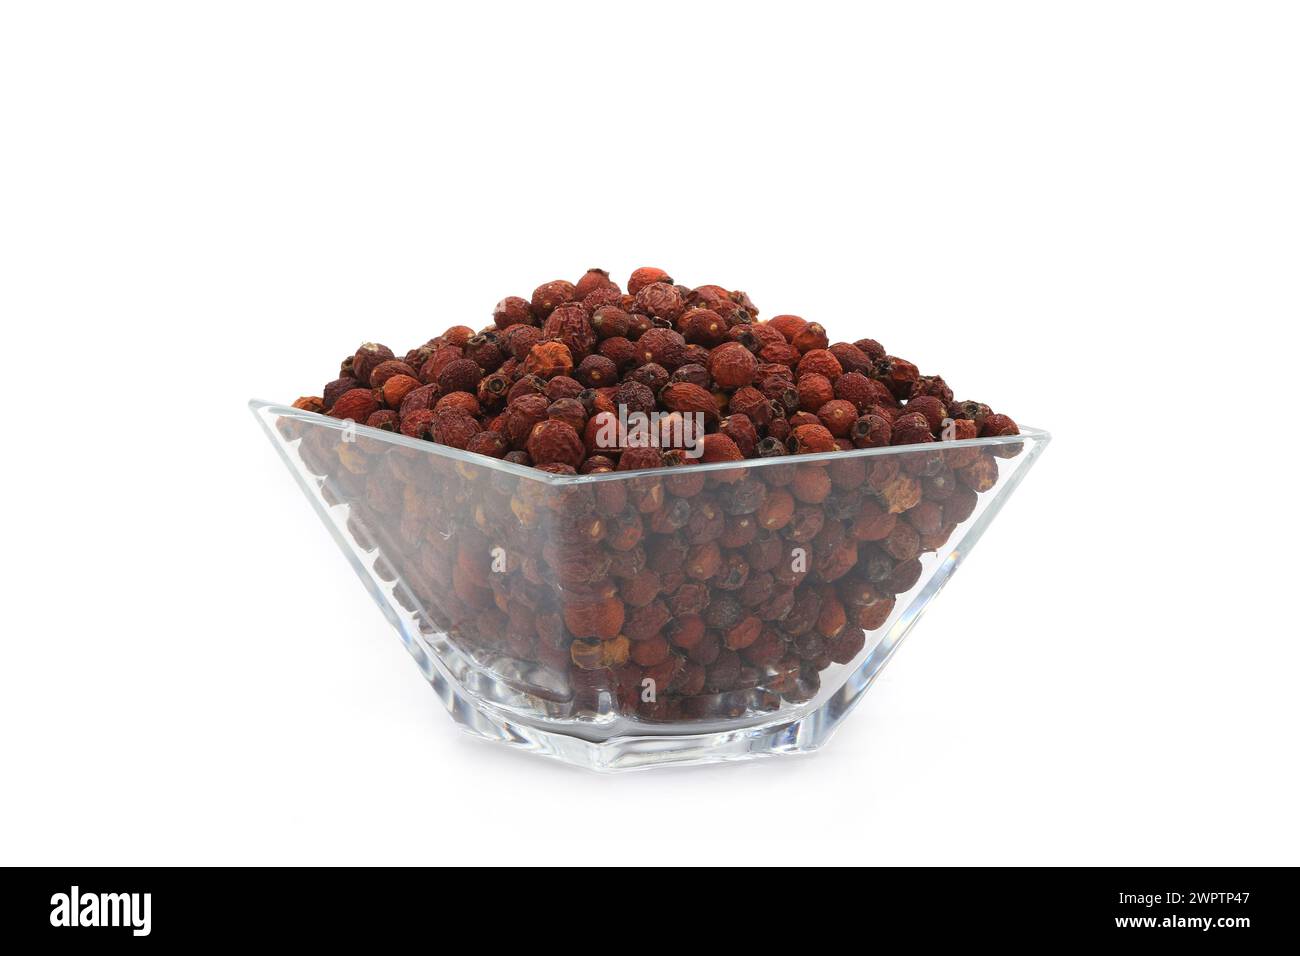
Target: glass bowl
[644, 618]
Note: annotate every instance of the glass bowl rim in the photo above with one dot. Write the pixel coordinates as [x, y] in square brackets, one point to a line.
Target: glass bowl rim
[260, 407]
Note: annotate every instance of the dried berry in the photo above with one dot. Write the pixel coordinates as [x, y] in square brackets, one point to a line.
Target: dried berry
[367, 358]
[555, 441]
[549, 295]
[461, 375]
[810, 439]
[453, 428]
[862, 391]
[851, 358]
[838, 416]
[814, 391]
[811, 337]
[397, 387]
[702, 327]
[513, 310]
[386, 370]
[994, 425]
[819, 362]
[659, 300]
[871, 431]
[645, 276]
[330, 394]
[897, 374]
[788, 325]
[548, 359]
[732, 365]
[911, 429]
[357, 404]
[595, 371]
[929, 408]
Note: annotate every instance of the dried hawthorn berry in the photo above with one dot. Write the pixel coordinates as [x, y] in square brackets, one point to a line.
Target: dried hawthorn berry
[788, 325]
[740, 430]
[453, 428]
[812, 337]
[810, 439]
[397, 387]
[702, 327]
[870, 431]
[814, 391]
[638, 325]
[751, 403]
[901, 493]
[548, 295]
[663, 347]
[518, 340]
[930, 408]
[994, 425]
[386, 370]
[911, 429]
[635, 397]
[457, 335]
[732, 365]
[569, 411]
[461, 375]
[555, 441]
[932, 386]
[851, 358]
[719, 447]
[458, 402]
[819, 362]
[485, 351]
[548, 359]
[488, 443]
[975, 411]
[358, 404]
[592, 280]
[644, 276]
[781, 353]
[610, 322]
[622, 352]
[416, 424]
[367, 358]
[659, 300]
[811, 485]
[838, 417]
[526, 385]
[330, 394]
[862, 391]
[595, 371]
[568, 323]
[562, 387]
[512, 310]
[652, 375]
[635, 459]
[898, 375]
[981, 475]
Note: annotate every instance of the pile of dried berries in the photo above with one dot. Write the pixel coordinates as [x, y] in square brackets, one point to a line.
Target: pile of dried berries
[719, 592]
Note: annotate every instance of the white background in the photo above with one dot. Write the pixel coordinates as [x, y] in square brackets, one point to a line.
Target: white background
[1084, 214]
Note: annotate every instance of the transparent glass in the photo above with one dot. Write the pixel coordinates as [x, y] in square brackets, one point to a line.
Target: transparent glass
[644, 618]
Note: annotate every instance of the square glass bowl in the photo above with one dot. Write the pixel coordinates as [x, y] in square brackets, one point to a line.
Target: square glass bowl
[644, 618]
